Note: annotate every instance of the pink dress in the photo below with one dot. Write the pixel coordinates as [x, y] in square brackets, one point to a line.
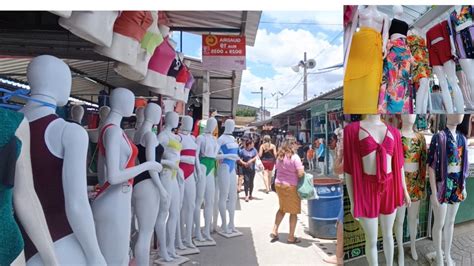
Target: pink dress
[374, 194]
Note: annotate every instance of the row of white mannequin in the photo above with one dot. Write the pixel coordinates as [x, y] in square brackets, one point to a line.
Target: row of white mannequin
[371, 17]
[101, 232]
[444, 214]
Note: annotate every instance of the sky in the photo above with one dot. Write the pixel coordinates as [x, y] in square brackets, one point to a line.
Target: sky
[281, 41]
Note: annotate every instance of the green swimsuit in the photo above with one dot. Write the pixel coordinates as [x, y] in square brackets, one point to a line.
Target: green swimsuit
[11, 241]
[210, 164]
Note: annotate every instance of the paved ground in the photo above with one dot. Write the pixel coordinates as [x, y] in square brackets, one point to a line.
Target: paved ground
[462, 250]
[255, 220]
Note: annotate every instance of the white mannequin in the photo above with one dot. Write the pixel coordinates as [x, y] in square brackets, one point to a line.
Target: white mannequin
[123, 48]
[397, 14]
[226, 178]
[27, 205]
[63, 14]
[94, 133]
[77, 113]
[50, 81]
[93, 26]
[139, 118]
[373, 124]
[444, 214]
[465, 88]
[169, 179]
[148, 193]
[188, 191]
[423, 92]
[414, 209]
[138, 70]
[372, 18]
[207, 147]
[112, 208]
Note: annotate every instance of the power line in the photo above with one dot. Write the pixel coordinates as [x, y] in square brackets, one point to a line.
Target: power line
[301, 23]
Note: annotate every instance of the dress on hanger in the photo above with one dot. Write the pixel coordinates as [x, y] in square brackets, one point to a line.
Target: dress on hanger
[375, 194]
[463, 38]
[11, 241]
[414, 150]
[448, 150]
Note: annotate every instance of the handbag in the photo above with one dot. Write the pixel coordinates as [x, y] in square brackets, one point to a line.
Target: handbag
[259, 165]
[305, 187]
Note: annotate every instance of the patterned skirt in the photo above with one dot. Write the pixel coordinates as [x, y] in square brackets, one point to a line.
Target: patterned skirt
[415, 185]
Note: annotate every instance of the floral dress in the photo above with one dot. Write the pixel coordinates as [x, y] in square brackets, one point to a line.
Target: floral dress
[395, 95]
[421, 66]
[414, 151]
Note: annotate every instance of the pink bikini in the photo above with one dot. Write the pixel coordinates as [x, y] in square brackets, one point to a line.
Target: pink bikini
[375, 194]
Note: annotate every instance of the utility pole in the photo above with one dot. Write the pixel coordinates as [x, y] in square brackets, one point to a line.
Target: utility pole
[305, 79]
[261, 101]
[277, 98]
[264, 113]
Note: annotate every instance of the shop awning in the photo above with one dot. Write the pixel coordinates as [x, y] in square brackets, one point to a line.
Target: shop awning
[31, 33]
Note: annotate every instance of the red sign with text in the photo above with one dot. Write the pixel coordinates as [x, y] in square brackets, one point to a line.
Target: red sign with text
[223, 52]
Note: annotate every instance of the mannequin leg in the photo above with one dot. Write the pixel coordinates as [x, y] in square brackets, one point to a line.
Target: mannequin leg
[147, 202]
[160, 226]
[386, 223]
[422, 96]
[467, 66]
[187, 212]
[232, 201]
[413, 213]
[400, 217]
[443, 83]
[209, 205]
[458, 99]
[20, 260]
[370, 227]
[439, 211]
[215, 211]
[465, 88]
[200, 189]
[179, 241]
[224, 182]
[448, 231]
[172, 222]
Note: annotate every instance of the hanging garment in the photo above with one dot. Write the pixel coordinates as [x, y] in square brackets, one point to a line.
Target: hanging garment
[375, 194]
[463, 38]
[363, 72]
[414, 150]
[421, 65]
[11, 241]
[448, 150]
[440, 52]
[133, 24]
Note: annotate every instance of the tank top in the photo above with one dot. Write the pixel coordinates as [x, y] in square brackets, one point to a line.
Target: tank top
[133, 24]
[268, 155]
[398, 26]
[142, 158]
[48, 181]
[162, 58]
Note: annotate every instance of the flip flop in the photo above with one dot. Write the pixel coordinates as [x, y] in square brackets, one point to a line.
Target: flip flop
[273, 237]
[297, 240]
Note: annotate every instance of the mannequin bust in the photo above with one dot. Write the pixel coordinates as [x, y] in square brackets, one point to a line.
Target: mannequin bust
[18, 194]
[147, 190]
[77, 113]
[112, 206]
[59, 148]
[129, 29]
[398, 27]
[169, 179]
[63, 14]
[358, 172]
[372, 18]
[207, 151]
[415, 175]
[228, 156]
[446, 199]
[94, 133]
[150, 41]
[93, 26]
[187, 165]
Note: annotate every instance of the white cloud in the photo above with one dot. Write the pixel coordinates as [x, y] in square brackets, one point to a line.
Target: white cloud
[328, 20]
[280, 51]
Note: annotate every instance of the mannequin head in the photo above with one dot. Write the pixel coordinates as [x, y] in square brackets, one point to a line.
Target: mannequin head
[104, 112]
[77, 113]
[140, 116]
[229, 126]
[165, 30]
[171, 120]
[152, 113]
[187, 124]
[408, 120]
[397, 11]
[454, 119]
[211, 125]
[122, 101]
[50, 77]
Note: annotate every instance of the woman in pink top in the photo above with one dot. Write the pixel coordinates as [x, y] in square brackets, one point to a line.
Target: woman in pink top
[288, 170]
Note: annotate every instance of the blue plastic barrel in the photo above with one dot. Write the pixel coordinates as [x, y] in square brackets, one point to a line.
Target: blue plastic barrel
[323, 212]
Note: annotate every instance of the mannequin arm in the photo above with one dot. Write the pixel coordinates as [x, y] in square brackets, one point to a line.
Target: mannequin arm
[197, 166]
[434, 189]
[386, 26]
[405, 190]
[112, 140]
[353, 28]
[350, 191]
[27, 205]
[78, 210]
[151, 143]
[170, 164]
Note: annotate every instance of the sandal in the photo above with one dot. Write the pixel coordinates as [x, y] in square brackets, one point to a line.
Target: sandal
[295, 241]
[273, 237]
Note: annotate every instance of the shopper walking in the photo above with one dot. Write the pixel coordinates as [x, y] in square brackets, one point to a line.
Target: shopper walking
[267, 154]
[248, 156]
[289, 169]
[310, 157]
